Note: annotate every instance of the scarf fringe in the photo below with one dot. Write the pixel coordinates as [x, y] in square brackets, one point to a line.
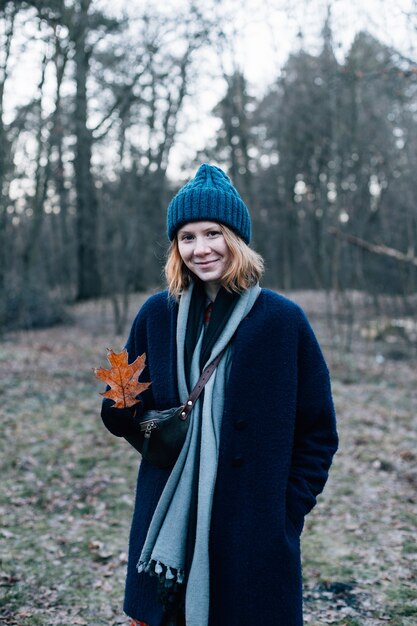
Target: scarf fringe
[168, 575]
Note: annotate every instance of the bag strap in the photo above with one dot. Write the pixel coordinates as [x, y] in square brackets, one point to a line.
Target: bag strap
[204, 378]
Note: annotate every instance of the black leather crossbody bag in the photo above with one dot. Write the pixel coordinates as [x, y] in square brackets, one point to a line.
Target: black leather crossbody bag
[162, 433]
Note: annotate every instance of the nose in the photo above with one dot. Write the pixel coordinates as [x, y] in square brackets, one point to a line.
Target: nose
[201, 247]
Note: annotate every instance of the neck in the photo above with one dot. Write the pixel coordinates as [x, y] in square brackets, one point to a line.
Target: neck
[212, 289]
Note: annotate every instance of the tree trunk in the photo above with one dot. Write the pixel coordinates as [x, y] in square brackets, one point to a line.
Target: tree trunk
[88, 282]
[31, 251]
[4, 152]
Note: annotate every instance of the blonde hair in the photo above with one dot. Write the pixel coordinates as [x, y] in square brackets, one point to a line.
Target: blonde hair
[245, 270]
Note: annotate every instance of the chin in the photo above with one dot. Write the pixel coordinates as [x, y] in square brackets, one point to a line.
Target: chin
[207, 278]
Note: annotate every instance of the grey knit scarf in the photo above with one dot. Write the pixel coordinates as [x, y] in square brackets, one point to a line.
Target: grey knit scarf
[164, 551]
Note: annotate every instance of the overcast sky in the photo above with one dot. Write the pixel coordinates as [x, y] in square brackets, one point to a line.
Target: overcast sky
[264, 33]
[268, 30]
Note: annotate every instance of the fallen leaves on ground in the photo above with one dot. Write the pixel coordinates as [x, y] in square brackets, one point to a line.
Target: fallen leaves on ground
[68, 486]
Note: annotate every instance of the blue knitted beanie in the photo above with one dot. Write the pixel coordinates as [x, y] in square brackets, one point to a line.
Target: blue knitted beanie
[210, 196]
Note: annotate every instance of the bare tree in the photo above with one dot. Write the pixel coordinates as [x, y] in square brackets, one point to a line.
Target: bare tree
[5, 162]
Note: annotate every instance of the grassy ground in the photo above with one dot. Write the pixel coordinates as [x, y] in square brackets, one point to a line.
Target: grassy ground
[67, 485]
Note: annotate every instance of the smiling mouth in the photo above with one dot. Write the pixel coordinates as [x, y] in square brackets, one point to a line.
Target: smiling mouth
[204, 263]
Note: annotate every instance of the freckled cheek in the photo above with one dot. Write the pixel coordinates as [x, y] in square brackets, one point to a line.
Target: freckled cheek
[184, 254]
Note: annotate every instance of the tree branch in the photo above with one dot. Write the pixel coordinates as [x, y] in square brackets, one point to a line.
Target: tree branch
[375, 248]
[122, 103]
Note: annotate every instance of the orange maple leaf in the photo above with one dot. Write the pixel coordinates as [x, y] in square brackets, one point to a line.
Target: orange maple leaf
[122, 378]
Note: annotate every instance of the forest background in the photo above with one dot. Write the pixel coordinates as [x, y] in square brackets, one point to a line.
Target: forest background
[106, 109]
[99, 101]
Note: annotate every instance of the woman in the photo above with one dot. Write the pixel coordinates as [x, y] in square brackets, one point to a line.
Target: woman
[218, 536]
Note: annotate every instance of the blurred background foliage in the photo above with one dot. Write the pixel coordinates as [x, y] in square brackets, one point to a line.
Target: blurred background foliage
[325, 157]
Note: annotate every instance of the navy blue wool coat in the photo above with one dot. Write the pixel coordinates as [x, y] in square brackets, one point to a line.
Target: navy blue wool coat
[278, 437]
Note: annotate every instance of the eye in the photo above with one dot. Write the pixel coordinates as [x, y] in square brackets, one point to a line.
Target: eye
[213, 233]
[186, 237]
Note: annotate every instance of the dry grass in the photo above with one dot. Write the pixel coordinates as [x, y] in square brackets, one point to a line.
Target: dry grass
[67, 484]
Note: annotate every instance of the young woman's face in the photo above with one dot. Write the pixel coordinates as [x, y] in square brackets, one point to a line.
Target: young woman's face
[204, 251]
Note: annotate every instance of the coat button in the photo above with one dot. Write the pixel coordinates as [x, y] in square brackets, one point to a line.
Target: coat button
[241, 424]
[238, 461]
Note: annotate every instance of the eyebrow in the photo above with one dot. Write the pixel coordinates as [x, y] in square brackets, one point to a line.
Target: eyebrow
[190, 232]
